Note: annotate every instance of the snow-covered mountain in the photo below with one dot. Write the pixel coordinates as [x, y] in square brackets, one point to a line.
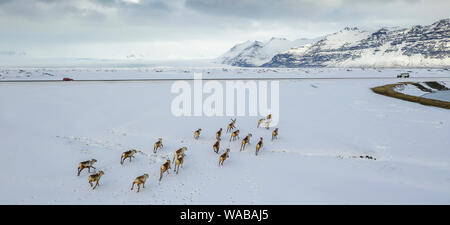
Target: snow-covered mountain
[256, 53]
[419, 46]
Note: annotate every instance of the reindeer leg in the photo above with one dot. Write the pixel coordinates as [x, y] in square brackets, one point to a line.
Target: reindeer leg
[139, 187]
[132, 186]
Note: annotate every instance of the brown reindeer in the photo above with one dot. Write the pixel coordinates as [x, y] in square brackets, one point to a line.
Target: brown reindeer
[234, 135]
[157, 145]
[231, 125]
[179, 162]
[219, 134]
[197, 134]
[267, 123]
[275, 134]
[269, 117]
[216, 146]
[138, 181]
[259, 145]
[95, 178]
[224, 156]
[86, 164]
[245, 141]
[165, 168]
[178, 153]
[260, 121]
[127, 154]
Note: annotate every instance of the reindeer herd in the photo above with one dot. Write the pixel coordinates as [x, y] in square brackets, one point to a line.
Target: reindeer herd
[179, 154]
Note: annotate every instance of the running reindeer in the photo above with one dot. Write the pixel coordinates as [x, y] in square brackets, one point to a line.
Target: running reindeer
[231, 125]
[197, 134]
[219, 134]
[179, 162]
[216, 146]
[245, 141]
[157, 145]
[224, 156]
[259, 145]
[86, 164]
[165, 168]
[95, 178]
[234, 135]
[178, 153]
[266, 121]
[260, 121]
[127, 154]
[275, 134]
[138, 181]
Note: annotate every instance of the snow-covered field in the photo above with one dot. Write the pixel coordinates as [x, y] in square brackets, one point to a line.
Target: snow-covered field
[209, 72]
[48, 128]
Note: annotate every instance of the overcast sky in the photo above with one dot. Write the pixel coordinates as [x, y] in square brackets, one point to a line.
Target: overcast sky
[188, 29]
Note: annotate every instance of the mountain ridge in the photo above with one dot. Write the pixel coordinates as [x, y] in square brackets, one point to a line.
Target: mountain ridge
[417, 46]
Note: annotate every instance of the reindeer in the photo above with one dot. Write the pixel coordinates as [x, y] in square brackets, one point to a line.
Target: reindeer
[259, 145]
[179, 162]
[165, 168]
[86, 164]
[95, 178]
[245, 141]
[275, 134]
[157, 145]
[140, 180]
[224, 156]
[178, 153]
[234, 135]
[231, 125]
[260, 121]
[127, 154]
[219, 134]
[268, 120]
[267, 123]
[216, 146]
[197, 134]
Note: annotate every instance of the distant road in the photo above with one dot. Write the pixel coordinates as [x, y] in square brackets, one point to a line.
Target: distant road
[225, 79]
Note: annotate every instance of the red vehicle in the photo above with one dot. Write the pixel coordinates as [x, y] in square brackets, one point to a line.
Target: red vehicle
[67, 79]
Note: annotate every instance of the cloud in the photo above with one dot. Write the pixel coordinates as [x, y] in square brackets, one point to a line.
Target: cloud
[84, 28]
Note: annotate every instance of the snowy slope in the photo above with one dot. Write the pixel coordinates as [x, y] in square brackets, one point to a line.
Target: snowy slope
[257, 53]
[419, 46]
[48, 128]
